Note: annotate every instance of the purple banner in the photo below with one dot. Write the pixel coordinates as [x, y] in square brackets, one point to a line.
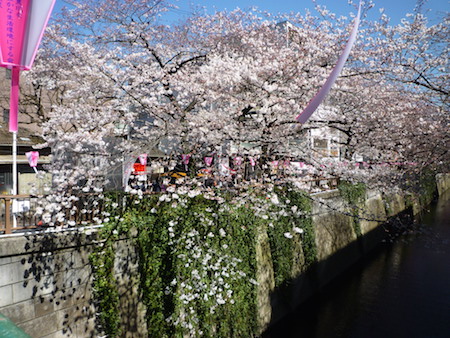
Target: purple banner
[320, 96]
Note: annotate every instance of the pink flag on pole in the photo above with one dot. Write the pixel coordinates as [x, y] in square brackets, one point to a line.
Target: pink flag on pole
[143, 159]
[252, 161]
[185, 159]
[32, 157]
[320, 96]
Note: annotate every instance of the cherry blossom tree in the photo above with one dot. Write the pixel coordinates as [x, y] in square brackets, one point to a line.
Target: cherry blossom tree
[233, 82]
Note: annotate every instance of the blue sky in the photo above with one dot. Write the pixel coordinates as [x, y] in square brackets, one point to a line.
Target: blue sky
[396, 9]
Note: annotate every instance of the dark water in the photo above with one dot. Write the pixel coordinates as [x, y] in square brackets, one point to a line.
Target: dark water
[401, 290]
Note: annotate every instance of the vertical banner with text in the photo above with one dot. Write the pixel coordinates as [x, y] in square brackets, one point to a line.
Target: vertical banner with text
[22, 25]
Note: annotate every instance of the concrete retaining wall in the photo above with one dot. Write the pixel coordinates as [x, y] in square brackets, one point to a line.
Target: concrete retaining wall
[45, 283]
[443, 183]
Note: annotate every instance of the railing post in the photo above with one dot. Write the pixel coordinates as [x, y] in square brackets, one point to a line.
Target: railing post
[8, 229]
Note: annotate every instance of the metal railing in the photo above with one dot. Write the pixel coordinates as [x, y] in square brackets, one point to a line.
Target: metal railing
[11, 219]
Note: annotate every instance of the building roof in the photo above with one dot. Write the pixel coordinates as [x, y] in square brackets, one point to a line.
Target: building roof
[25, 138]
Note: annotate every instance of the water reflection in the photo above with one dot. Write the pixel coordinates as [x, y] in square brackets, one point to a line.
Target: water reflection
[403, 290]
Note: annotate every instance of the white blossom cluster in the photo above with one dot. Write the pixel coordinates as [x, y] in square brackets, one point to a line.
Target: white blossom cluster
[207, 269]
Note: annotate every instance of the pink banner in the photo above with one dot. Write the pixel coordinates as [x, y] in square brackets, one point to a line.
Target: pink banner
[22, 24]
[32, 157]
[238, 161]
[13, 22]
[320, 96]
[252, 161]
[208, 160]
[143, 159]
[185, 158]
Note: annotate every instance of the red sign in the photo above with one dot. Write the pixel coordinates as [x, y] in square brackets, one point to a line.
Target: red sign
[139, 168]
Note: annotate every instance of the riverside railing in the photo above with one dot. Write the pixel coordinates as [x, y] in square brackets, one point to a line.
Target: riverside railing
[19, 213]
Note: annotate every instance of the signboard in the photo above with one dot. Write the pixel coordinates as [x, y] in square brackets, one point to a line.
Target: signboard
[139, 168]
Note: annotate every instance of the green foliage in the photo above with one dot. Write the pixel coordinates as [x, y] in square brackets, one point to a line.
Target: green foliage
[304, 203]
[354, 195]
[104, 285]
[197, 258]
[293, 211]
[427, 186]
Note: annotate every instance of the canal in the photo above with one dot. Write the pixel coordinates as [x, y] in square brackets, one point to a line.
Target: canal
[401, 290]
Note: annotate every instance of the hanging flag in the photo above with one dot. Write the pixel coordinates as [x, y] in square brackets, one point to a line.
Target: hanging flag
[143, 159]
[320, 96]
[208, 160]
[22, 25]
[33, 157]
[238, 161]
[185, 159]
[252, 161]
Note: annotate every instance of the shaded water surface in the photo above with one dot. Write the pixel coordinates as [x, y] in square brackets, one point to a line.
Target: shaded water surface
[401, 290]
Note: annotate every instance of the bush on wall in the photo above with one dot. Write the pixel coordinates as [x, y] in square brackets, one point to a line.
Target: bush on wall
[197, 259]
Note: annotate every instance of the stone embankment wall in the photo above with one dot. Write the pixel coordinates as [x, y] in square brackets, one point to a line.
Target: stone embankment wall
[342, 238]
[45, 283]
[46, 277]
[443, 183]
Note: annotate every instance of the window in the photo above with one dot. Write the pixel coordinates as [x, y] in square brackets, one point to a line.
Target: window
[5, 115]
[320, 143]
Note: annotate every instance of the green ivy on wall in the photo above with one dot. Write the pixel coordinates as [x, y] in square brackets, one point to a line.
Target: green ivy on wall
[197, 258]
[291, 219]
[354, 194]
[104, 286]
[427, 186]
